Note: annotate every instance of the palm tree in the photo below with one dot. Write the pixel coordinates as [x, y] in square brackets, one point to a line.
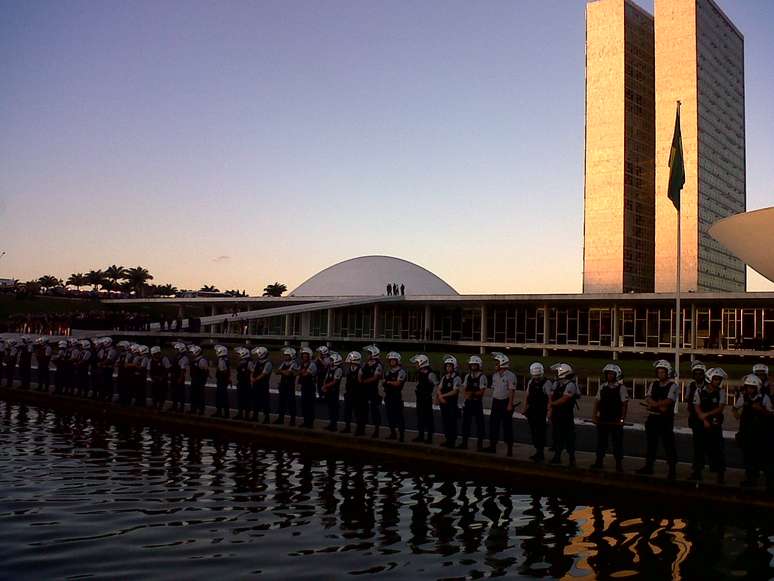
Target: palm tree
[96, 278]
[49, 281]
[274, 290]
[77, 280]
[166, 290]
[137, 278]
[32, 287]
[114, 274]
[208, 288]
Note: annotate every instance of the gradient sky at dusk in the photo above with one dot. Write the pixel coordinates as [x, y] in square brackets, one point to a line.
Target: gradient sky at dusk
[239, 143]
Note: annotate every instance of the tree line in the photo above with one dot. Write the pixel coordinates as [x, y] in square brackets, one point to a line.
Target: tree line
[133, 281]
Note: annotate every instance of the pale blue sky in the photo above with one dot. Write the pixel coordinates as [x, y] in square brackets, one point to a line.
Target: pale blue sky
[289, 135]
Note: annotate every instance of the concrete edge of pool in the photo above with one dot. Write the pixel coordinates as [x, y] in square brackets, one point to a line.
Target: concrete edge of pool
[625, 487]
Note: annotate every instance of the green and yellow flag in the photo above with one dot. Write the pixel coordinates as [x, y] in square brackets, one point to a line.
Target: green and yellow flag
[676, 164]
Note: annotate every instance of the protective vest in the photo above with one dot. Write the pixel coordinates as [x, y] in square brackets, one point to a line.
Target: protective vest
[567, 410]
[610, 404]
[258, 370]
[693, 387]
[709, 401]
[329, 376]
[352, 379]
[307, 381]
[537, 398]
[424, 385]
[157, 370]
[392, 375]
[660, 392]
[243, 372]
[223, 375]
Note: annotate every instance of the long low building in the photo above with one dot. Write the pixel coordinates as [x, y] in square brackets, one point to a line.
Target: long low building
[712, 323]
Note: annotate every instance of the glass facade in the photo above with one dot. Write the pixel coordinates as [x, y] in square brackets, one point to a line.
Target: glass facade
[620, 140]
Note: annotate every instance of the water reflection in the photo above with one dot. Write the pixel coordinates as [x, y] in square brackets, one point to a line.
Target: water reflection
[81, 496]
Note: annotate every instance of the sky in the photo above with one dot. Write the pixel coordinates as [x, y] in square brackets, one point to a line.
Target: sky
[242, 143]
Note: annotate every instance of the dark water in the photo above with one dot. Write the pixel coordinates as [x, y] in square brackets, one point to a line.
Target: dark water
[84, 498]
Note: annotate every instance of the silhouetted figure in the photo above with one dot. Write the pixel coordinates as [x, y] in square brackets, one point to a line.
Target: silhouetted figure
[395, 289]
[389, 290]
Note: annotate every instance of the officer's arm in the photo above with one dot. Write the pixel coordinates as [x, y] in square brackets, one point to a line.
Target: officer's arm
[595, 411]
[715, 411]
[624, 409]
[561, 401]
[664, 404]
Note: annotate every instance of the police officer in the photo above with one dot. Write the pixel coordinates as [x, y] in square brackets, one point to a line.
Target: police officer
[427, 382]
[660, 400]
[260, 377]
[561, 412]
[754, 411]
[25, 362]
[322, 361]
[222, 382]
[330, 389]
[697, 383]
[43, 353]
[83, 367]
[709, 404]
[244, 391]
[609, 415]
[447, 398]
[200, 373]
[370, 376]
[352, 391]
[761, 371]
[306, 376]
[122, 373]
[61, 358]
[11, 356]
[539, 389]
[474, 386]
[287, 390]
[105, 364]
[73, 374]
[394, 380]
[140, 366]
[503, 404]
[180, 365]
[159, 369]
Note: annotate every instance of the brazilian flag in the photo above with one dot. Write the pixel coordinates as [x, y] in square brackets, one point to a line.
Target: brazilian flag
[676, 164]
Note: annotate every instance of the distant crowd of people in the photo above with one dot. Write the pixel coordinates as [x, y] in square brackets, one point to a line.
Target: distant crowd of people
[359, 386]
[64, 323]
[393, 289]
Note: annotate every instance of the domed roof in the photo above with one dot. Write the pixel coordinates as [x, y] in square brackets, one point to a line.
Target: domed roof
[369, 275]
[748, 236]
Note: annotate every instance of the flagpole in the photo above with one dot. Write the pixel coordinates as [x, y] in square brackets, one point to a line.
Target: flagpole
[678, 329]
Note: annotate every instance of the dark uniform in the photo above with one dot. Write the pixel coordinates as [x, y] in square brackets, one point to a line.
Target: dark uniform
[351, 392]
[178, 372]
[711, 445]
[754, 436]
[393, 401]
[370, 376]
[200, 373]
[60, 374]
[333, 381]
[83, 367]
[123, 377]
[243, 388]
[43, 360]
[473, 408]
[222, 381]
[306, 375]
[611, 399]
[287, 392]
[139, 371]
[11, 355]
[105, 364]
[696, 425]
[660, 426]
[450, 409]
[538, 390]
[427, 381]
[158, 370]
[500, 417]
[260, 377]
[25, 365]
[563, 419]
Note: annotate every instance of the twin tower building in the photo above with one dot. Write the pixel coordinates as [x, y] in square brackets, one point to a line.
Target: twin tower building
[638, 66]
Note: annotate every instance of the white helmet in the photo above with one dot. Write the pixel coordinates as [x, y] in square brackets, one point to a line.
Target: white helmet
[179, 347]
[475, 360]
[289, 351]
[420, 360]
[753, 380]
[195, 350]
[698, 366]
[62, 344]
[155, 349]
[221, 350]
[663, 364]
[761, 368]
[394, 355]
[502, 359]
[353, 357]
[613, 368]
[70, 341]
[107, 341]
[122, 344]
[85, 343]
[306, 351]
[134, 347]
[562, 370]
[242, 352]
[335, 358]
[142, 349]
[260, 352]
[372, 350]
[450, 360]
[537, 369]
[322, 350]
[716, 372]
[40, 341]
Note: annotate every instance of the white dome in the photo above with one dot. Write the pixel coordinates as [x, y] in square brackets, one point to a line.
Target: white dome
[749, 236]
[369, 275]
